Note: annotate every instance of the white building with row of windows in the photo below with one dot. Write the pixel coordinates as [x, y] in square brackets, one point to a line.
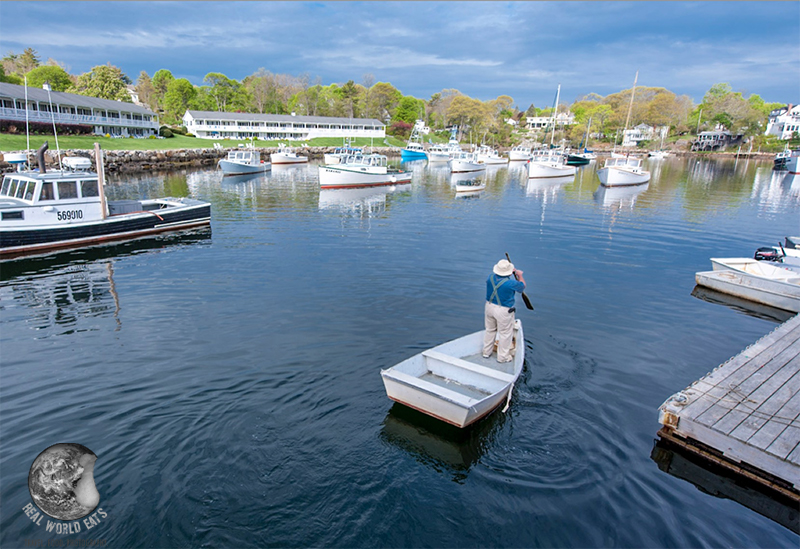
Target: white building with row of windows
[105, 116]
[539, 122]
[784, 122]
[288, 127]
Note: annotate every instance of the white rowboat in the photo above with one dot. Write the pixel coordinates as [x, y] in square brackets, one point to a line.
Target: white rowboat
[757, 281]
[453, 382]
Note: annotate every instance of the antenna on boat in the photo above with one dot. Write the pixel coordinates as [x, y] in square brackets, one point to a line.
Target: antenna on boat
[27, 125]
[53, 118]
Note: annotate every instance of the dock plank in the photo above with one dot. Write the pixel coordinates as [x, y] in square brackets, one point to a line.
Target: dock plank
[752, 392]
[715, 385]
[748, 408]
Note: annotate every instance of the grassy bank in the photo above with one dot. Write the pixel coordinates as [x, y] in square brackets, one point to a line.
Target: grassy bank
[10, 142]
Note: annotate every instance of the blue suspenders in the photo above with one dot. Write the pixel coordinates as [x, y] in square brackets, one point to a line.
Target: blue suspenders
[495, 287]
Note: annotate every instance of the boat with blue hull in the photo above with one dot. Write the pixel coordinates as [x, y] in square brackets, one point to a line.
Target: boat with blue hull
[43, 211]
[414, 149]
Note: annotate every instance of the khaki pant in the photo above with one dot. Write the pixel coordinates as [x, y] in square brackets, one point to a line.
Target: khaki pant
[498, 322]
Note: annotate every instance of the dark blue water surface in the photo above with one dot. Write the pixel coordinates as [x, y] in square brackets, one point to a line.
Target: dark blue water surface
[229, 380]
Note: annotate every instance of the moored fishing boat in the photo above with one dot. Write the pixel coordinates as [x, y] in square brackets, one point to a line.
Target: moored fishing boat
[361, 170]
[239, 162]
[622, 169]
[42, 211]
[339, 153]
[549, 163]
[465, 162]
[438, 153]
[287, 155]
[414, 149]
[453, 382]
[621, 172]
[519, 152]
[490, 156]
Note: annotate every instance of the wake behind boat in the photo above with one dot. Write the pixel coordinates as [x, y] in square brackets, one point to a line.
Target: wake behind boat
[453, 382]
[361, 170]
[42, 211]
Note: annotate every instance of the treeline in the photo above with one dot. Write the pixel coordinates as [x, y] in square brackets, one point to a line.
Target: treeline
[479, 121]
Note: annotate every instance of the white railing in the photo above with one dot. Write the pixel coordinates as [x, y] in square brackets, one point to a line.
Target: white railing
[64, 118]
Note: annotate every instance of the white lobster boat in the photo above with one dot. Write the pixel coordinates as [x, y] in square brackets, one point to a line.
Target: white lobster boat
[339, 153]
[621, 172]
[453, 382]
[489, 156]
[287, 155]
[43, 211]
[519, 153]
[438, 153]
[549, 163]
[361, 170]
[241, 162]
[465, 162]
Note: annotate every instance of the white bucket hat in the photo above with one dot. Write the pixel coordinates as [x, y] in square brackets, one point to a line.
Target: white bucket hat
[503, 268]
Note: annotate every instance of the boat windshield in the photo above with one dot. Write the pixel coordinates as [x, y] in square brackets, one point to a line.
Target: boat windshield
[624, 162]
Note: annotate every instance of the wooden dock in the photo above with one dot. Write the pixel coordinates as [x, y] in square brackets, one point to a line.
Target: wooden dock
[746, 412]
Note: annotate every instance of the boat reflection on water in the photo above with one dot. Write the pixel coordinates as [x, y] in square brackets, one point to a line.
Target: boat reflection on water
[244, 178]
[751, 308]
[714, 479]
[446, 448]
[359, 202]
[619, 196]
[58, 293]
[538, 186]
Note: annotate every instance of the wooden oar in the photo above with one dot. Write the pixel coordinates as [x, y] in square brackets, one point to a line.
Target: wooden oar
[524, 297]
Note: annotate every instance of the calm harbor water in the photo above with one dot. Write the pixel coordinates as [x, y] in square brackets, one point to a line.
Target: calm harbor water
[228, 379]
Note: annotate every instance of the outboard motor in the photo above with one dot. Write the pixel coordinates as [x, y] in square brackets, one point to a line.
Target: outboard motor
[768, 254]
[40, 157]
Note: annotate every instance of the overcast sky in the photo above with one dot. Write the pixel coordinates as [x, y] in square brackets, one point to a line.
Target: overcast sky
[482, 49]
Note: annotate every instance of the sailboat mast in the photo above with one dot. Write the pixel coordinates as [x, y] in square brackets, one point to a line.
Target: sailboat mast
[555, 111]
[630, 107]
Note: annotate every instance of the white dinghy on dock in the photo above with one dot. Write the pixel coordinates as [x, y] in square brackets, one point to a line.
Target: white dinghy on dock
[453, 382]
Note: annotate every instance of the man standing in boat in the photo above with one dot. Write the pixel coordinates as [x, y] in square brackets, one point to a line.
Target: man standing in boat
[499, 311]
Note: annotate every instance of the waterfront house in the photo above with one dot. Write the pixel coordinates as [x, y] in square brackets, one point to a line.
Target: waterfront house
[716, 140]
[104, 116]
[286, 127]
[632, 136]
[784, 122]
[538, 122]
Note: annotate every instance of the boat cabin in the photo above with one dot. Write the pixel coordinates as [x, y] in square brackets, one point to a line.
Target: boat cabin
[371, 160]
[625, 162]
[32, 197]
[244, 157]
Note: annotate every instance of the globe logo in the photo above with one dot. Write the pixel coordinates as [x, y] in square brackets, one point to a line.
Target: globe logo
[61, 481]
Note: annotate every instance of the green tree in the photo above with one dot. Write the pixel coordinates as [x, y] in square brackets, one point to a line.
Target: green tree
[9, 78]
[223, 89]
[161, 81]
[57, 77]
[384, 98]
[408, 110]
[179, 96]
[103, 81]
[20, 63]
[147, 92]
